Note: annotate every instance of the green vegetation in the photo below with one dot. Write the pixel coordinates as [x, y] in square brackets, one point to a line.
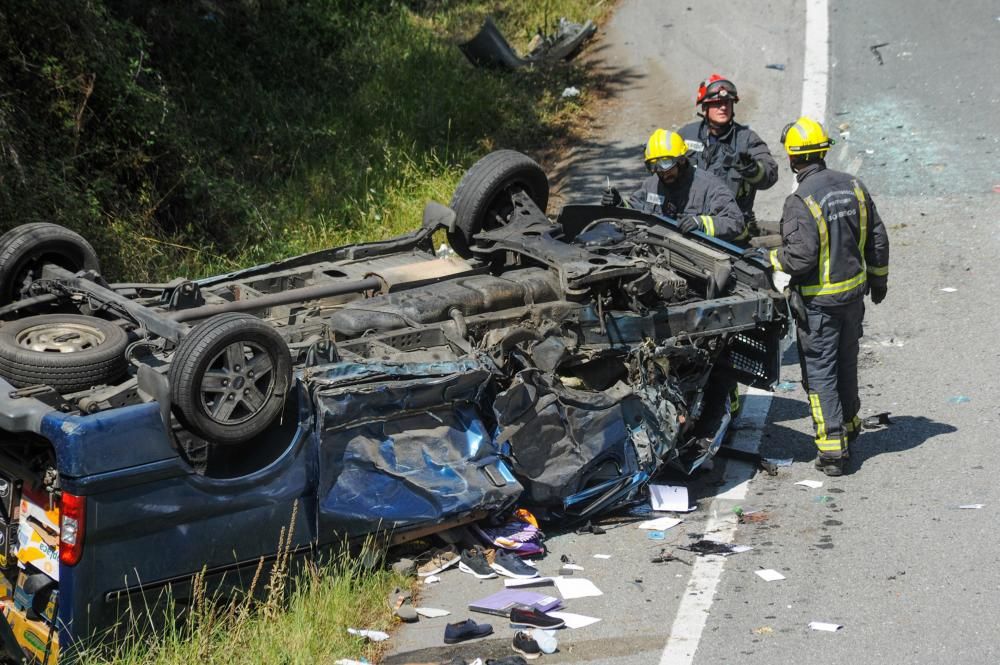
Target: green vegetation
[193, 137]
[309, 627]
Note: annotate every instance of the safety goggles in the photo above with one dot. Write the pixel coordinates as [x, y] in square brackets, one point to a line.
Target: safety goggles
[661, 164]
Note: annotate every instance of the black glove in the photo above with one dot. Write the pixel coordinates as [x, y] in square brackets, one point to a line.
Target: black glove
[670, 210]
[878, 291]
[611, 197]
[689, 224]
[745, 164]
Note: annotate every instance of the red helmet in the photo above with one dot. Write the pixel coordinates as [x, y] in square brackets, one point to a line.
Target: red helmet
[714, 88]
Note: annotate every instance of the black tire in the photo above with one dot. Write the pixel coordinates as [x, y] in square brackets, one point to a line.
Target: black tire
[69, 352]
[211, 378]
[26, 248]
[484, 192]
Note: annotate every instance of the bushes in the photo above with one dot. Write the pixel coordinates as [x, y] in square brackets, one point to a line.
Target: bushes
[194, 137]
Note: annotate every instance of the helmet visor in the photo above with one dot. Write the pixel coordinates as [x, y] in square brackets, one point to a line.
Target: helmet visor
[661, 164]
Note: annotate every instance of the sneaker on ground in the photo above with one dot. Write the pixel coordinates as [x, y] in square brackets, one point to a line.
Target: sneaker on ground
[440, 560]
[474, 562]
[525, 645]
[509, 564]
[534, 618]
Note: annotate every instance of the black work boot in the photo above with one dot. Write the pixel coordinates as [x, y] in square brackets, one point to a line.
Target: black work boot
[831, 466]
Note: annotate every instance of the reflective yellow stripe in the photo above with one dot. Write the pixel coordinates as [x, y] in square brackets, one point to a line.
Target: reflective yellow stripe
[817, 415]
[709, 225]
[775, 263]
[878, 271]
[826, 445]
[824, 240]
[734, 399]
[854, 424]
[862, 218]
[835, 287]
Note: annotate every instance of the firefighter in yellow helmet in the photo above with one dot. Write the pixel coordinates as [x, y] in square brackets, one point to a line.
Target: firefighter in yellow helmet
[698, 200]
[836, 249]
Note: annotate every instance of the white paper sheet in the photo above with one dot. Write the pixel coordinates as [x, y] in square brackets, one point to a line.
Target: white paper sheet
[528, 582]
[373, 635]
[673, 498]
[660, 523]
[576, 587]
[602, 556]
[829, 627]
[815, 484]
[572, 566]
[431, 612]
[972, 506]
[767, 575]
[574, 620]
[739, 549]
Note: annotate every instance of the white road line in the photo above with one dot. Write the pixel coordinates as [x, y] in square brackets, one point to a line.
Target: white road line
[692, 614]
[685, 633]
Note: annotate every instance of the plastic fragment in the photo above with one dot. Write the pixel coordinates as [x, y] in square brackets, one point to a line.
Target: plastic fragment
[960, 399]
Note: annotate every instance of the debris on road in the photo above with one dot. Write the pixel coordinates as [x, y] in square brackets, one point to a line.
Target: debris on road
[973, 506]
[813, 484]
[959, 399]
[577, 587]
[778, 66]
[670, 498]
[878, 420]
[752, 516]
[373, 635]
[763, 630]
[656, 535]
[874, 49]
[489, 48]
[785, 386]
[829, 627]
[602, 556]
[432, 612]
[501, 602]
[949, 289]
[769, 575]
[703, 547]
[665, 557]
[660, 524]
[574, 620]
[590, 528]
[784, 461]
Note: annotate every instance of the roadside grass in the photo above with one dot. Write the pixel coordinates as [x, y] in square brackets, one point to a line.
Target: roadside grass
[306, 625]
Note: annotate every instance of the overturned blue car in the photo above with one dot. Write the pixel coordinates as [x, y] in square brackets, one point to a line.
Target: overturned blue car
[152, 431]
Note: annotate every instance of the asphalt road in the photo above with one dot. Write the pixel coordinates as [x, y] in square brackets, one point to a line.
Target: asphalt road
[885, 551]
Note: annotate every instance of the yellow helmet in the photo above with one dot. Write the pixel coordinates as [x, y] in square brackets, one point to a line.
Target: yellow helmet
[805, 136]
[663, 150]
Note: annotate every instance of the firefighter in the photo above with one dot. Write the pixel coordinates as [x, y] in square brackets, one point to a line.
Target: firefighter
[725, 148]
[836, 249]
[696, 199]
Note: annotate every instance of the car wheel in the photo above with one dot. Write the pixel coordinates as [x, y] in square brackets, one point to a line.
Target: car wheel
[229, 377]
[25, 249]
[482, 199]
[68, 352]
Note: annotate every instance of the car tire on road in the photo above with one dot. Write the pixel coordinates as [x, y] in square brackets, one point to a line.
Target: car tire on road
[68, 352]
[229, 377]
[26, 248]
[484, 192]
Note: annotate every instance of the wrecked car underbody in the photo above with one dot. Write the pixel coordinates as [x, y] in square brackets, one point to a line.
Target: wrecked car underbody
[556, 364]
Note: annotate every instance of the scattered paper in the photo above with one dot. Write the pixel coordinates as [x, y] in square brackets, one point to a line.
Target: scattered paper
[373, 635]
[814, 484]
[576, 587]
[829, 627]
[660, 523]
[949, 289]
[572, 566]
[767, 575]
[431, 579]
[571, 91]
[673, 498]
[574, 620]
[602, 556]
[529, 582]
[738, 549]
[431, 612]
[972, 506]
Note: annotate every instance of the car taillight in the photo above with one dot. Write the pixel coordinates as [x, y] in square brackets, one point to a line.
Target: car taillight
[72, 511]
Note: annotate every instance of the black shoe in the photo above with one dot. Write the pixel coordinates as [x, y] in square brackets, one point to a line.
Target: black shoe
[465, 630]
[831, 466]
[511, 565]
[525, 645]
[474, 563]
[534, 618]
[509, 660]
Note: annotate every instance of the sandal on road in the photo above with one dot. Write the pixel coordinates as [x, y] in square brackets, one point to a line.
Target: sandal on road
[400, 602]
